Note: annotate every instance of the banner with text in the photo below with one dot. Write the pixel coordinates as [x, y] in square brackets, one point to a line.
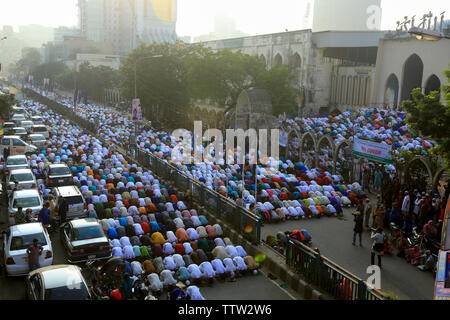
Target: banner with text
[372, 150]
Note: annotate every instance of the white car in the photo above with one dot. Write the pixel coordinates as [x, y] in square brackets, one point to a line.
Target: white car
[27, 199]
[16, 162]
[17, 239]
[37, 140]
[18, 118]
[19, 179]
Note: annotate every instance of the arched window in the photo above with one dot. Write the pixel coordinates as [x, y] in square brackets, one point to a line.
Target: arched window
[412, 75]
[278, 60]
[433, 84]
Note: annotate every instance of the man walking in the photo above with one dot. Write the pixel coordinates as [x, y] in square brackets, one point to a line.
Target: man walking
[358, 229]
[62, 212]
[377, 246]
[33, 252]
[44, 216]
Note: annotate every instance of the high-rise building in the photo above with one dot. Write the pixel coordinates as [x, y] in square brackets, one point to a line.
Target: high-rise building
[346, 15]
[127, 23]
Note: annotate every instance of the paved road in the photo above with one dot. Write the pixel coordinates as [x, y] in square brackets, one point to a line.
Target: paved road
[257, 287]
[333, 236]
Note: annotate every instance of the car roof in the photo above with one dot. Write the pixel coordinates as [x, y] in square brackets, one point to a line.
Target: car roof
[11, 137]
[19, 171]
[9, 122]
[36, 117]
[19, 128]
[56, 165]
[86, 222]
[37, 135]
[56, 276]
[17, 156]
[25, 193]
[68, 191]
[39, 125]
[27, 228]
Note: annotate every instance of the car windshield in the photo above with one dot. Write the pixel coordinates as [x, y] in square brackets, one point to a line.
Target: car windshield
[39, 129]
[86, 233]
[16, 161]
[21, 130]
[37, 138]
[27, 202]
[22, 177]
[24, 241]
[74, 200]
[74, 291]
[59, 171]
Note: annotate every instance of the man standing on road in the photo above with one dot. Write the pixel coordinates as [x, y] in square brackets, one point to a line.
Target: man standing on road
[5, 153]
[367, 211]
[358, 229]
[44, 216]
[19, 217]
[405, 204]
[33, 252]
[62, 212]
[377, 246]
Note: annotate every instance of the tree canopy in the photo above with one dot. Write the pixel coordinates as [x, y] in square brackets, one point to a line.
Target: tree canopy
[431, 118]
[182, 74]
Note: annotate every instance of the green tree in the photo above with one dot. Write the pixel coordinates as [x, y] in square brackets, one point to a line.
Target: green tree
[89, 80]
[431, 118]
[6, 101]
[48, 70]
[31, 58]
[277, 82]
[160, 80]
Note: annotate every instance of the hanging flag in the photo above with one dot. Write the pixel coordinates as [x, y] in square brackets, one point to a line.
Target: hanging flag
[75, 96]
[80, 94]
[86, 98]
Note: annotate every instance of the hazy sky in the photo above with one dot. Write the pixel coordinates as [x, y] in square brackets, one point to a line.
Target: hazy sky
[196, 17]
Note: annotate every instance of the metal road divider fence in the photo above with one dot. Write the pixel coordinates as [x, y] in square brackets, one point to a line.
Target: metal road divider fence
[327, 275]
[314, 268]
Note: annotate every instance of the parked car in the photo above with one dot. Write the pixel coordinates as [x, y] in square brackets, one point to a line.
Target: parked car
[40, 129]
[19, 179]
[27, 124]
[16, 162]
[18, 110]
[77, 207]
[17, 145]
[37, 120]
[37, 140]
[58, 174]
[27, 199]
[84, 239]
[20, 131]
[8, 127]
[17, 239]
[58, 282]
[18, 118]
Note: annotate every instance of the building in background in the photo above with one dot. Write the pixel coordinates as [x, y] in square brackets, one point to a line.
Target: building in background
[35, 35]
[95, 60]
[127, 23]
[68, 49]
[224, 28]
[61, 32]
[346, 15]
